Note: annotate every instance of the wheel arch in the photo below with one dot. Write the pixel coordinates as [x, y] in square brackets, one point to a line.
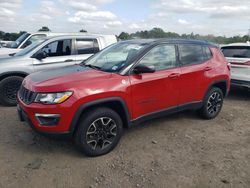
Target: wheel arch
[14, 73]
[115, 103]
[222, 84]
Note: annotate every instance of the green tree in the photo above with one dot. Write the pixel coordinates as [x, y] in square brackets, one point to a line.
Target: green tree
[1, 35]
[157, 33]
[124, 36]
[83, 31]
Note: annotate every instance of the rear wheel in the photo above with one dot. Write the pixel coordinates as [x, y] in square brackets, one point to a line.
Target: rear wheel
[212, 103]
[99, 131]
[8, 90]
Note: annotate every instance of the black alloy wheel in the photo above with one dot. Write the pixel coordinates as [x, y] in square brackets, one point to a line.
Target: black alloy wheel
[99, 131]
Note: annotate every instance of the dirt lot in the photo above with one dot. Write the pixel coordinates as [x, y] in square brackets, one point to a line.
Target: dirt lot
[177, 151]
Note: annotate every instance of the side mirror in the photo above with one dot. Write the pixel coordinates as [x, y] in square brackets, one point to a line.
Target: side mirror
[41, 55]
[139, 69]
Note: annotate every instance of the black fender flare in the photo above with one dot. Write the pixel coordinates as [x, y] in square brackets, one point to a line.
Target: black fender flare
[214, 83]
[81, 109]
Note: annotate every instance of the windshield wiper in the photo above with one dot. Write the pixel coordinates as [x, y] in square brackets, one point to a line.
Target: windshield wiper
[92, 66]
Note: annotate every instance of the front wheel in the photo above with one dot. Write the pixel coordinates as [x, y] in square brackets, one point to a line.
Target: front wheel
[99, 131]
[212, 103]
[8, 90]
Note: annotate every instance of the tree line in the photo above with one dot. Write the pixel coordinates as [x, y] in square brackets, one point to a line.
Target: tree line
[160, 33]
[153, 33]
[10, 36]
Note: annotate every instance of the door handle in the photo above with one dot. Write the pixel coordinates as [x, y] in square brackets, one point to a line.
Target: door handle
[68, 60]
[208, 69]
[174, 75]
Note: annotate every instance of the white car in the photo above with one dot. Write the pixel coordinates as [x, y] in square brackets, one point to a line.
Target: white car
[25, 40]
[5, 43]
[238, 55]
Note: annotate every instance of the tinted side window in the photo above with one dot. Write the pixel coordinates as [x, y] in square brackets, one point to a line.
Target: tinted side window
[236, 51]
[33, 39]
[191, 54]
[161, 57]
[87, 46]
[207, 53]
[58, 48]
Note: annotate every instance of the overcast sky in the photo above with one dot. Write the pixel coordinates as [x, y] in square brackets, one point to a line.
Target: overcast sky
[223, 17]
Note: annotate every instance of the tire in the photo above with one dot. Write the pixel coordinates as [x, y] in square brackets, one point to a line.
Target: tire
[8, 90]
[212, 103]
[98, 132]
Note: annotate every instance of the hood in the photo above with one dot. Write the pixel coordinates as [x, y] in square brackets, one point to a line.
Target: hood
[6, 51]
[10, 59]
[63, 78]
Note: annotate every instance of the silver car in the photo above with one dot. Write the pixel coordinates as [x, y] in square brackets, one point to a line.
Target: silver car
[27, 39]
[50, 53]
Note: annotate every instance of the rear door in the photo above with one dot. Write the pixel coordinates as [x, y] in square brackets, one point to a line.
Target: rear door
[195, 67]
[84, 48]
[59, 54]
[239, 58]
[152, 92]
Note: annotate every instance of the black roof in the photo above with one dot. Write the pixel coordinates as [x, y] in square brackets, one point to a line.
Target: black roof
[176, 41]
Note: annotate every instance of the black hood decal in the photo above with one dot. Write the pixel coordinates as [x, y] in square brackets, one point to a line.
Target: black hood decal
[53, 73]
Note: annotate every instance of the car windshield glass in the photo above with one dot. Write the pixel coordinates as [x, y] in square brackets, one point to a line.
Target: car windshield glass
[29, 48]
[19, 41]
[236, 51]
[115, 57]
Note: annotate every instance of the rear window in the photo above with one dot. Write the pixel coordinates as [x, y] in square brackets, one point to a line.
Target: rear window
[207, 53]
[191, 54]
[236, 51]
[87, 46]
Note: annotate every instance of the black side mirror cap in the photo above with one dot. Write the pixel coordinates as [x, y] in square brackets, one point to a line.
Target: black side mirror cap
[139, 69]
[40, 56]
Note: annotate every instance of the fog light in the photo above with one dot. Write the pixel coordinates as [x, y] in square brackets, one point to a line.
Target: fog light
[48, 119]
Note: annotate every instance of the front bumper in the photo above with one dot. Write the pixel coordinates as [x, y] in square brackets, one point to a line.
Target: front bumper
[240, 83]
[38, 115]
[23, 117]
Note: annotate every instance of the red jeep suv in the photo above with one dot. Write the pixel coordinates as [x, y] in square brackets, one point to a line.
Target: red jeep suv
[123, 85]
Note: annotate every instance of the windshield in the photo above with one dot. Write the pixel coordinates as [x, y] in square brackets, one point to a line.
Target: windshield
[115, 57]
[19, 41]
[29, 48]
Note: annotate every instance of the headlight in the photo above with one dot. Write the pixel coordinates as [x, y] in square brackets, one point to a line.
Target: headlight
[53, 98]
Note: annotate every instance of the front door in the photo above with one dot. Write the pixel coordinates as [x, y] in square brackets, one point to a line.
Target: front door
[58, 54]
[152, 92]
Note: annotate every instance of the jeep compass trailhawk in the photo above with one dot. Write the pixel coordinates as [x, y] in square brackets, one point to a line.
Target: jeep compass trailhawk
[123, 85]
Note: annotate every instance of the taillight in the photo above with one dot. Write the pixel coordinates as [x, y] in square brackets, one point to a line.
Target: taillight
[229, 66]
[247, 63]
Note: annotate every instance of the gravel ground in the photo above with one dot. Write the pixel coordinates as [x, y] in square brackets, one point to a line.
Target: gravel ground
[177, 151]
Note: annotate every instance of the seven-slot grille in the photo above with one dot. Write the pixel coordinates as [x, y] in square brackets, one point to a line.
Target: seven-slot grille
[26, 95]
